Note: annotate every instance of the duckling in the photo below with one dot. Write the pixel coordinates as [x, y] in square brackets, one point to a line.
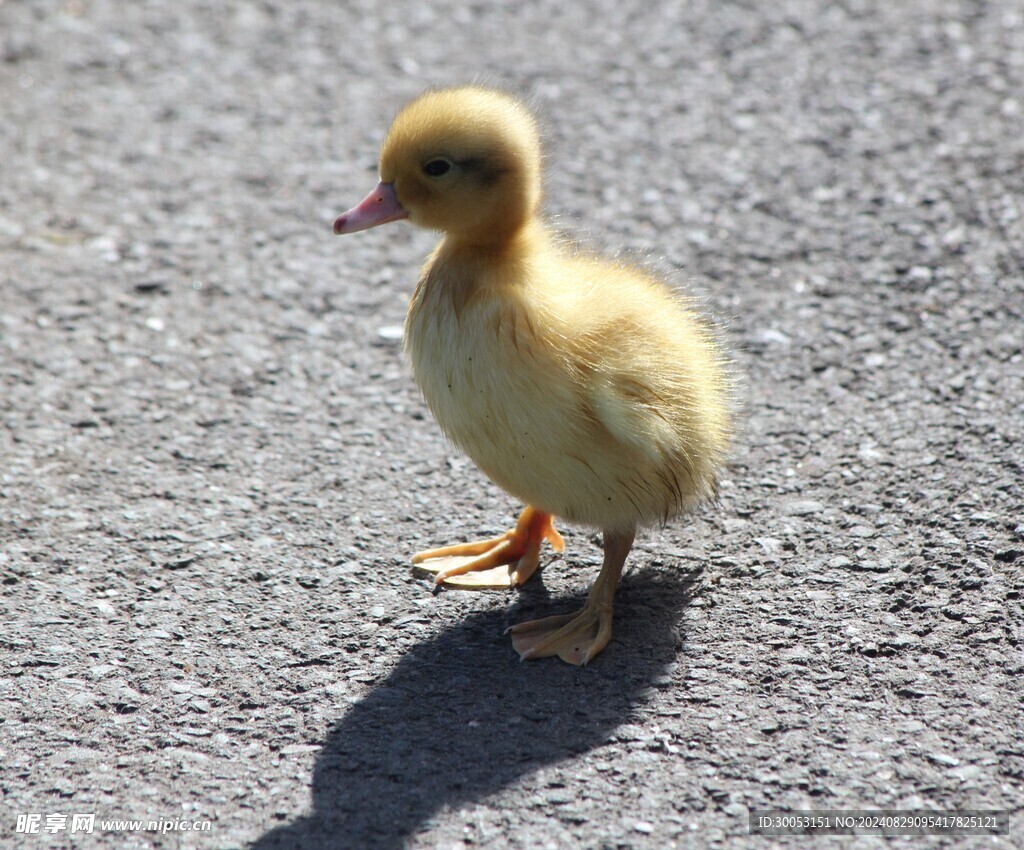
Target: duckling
[582, 386]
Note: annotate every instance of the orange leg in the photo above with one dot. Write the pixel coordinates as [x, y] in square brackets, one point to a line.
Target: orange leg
[579, 637]
[504, 561]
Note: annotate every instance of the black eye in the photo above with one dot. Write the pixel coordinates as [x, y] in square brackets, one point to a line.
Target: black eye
[437, 168]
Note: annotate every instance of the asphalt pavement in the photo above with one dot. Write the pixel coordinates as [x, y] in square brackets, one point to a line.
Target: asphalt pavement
[214, 464]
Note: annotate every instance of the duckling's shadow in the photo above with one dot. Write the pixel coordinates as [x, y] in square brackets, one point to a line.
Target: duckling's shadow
[460, 718]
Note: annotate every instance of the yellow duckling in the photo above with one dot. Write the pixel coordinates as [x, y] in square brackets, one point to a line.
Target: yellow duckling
[583, 387]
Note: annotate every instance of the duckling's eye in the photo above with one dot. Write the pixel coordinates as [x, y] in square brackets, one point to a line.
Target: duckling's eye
[437, 168]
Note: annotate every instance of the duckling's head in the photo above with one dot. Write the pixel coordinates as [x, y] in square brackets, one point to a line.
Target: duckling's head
[462, 160]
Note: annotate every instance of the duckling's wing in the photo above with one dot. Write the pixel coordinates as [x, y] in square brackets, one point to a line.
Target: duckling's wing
[631, 411]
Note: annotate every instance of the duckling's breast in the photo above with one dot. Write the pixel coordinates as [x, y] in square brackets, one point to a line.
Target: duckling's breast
[492, 385]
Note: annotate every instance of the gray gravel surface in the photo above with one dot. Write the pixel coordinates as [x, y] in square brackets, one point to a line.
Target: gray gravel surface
[215, 464]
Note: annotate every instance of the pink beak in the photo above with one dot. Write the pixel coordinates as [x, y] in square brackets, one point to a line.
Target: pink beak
[379, 207]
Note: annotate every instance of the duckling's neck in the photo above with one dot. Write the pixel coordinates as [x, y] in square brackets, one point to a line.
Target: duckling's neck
[495, 249]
